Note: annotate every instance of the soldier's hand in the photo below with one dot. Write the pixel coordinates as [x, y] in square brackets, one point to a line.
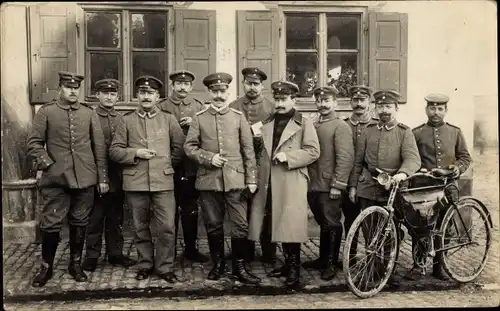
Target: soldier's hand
[218, 160]
[185, 121]
[252, 187]
[280, 157]
[399, 177]
[102, 188]
[456, 170]
[352, 194]
[334, 193]
[145, 153]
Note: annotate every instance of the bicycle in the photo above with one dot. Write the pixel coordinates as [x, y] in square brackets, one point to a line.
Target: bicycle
[434, 215]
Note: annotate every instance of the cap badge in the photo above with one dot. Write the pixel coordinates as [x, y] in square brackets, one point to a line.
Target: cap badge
[109, 85]
[146, 83]
[359, 92]
[72, 80]
[322, 93]
[218, 81]
[383, 97]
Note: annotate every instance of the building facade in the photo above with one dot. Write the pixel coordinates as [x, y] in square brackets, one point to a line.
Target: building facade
[414, 47]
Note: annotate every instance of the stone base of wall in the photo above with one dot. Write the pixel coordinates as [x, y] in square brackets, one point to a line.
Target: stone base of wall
[23, 232]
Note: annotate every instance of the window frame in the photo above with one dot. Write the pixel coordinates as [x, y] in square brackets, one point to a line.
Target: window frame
[307, 104]
[128, 102]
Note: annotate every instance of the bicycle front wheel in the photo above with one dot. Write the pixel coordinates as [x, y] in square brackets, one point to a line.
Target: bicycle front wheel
[370, 251]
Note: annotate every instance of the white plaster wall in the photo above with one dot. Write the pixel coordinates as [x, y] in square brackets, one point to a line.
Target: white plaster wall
[14, 61]
[227, 57]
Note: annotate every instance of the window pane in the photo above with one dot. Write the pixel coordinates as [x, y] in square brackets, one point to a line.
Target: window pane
[302, 69]
[104, 66]
[148, 30]
[301, 31]
[103, 29]
[148, 63]
[342, 71]
[342, 32]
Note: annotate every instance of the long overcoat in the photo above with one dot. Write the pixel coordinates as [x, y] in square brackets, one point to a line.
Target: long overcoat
[288, 181]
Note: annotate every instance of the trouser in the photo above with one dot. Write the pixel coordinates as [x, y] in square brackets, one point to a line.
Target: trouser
[268, 247]
[214, 205]
[107, 216]
[186, 197]
[59, 203]
[153, 214]
[327, 212]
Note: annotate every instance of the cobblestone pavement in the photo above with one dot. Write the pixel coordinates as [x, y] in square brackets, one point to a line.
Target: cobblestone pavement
[20, 262]
[450, 299]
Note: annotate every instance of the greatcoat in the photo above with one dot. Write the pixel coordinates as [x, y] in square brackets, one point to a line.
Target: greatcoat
[289, 181]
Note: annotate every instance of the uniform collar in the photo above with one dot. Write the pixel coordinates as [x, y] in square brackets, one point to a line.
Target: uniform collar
[429, 123]
[64, 105]
[151, 114]
[105, 112]
[253, 101]
[389, 125]
[214, 110]
[331, 116]
[176, 100]
[363, 119]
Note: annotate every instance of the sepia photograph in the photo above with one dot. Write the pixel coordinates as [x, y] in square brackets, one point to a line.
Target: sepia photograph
[197, 155]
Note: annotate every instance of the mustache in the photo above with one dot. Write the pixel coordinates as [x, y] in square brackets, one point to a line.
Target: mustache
[359, 107]
[219, 99]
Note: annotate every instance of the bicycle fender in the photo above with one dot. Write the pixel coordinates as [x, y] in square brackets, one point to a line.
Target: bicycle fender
[483, 207]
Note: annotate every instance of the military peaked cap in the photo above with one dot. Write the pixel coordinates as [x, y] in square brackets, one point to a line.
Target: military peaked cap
[182, 76]
[110, 85]
[436, 99]
[386, 97]
[218, 79]
[253, 74]
[147, 82]
[70, 79]
[360, 91]
[326, 91]
[284, 88]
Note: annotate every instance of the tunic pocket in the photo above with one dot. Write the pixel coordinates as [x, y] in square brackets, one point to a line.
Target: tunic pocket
[129, 172]
[168, 171]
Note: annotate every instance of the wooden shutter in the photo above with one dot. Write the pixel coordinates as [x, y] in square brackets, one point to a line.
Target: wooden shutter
[258, 36]
[195, 45]
[388, 45]
[53, 36]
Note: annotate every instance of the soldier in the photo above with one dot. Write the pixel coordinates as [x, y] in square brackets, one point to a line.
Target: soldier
[148, 143]
[220, 141]
[441, 145]
[328, 178]
[256, 108]
[67, 143]
[183, 106]
[358, 121]
[290, 145]
[387, 145]
[107, 213]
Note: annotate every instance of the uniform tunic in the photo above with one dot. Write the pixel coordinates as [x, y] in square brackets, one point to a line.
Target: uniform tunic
[68, 145]
[442, 145]
[107, 214]
[254, 109]
[227, 133]
[390, 147]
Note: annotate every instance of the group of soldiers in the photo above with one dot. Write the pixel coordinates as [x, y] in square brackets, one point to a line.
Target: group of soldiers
[262, 161]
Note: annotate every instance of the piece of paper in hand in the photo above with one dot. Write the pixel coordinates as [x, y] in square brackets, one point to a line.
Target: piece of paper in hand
[256, 128]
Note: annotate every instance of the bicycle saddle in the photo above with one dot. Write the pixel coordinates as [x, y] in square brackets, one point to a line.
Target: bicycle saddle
[442, 172]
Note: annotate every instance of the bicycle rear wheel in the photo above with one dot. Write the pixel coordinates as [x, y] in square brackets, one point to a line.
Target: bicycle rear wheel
[370, 251]
[466, 258]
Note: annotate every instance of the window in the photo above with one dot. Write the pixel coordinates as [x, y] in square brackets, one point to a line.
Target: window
[124, 45]
[323, 49]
